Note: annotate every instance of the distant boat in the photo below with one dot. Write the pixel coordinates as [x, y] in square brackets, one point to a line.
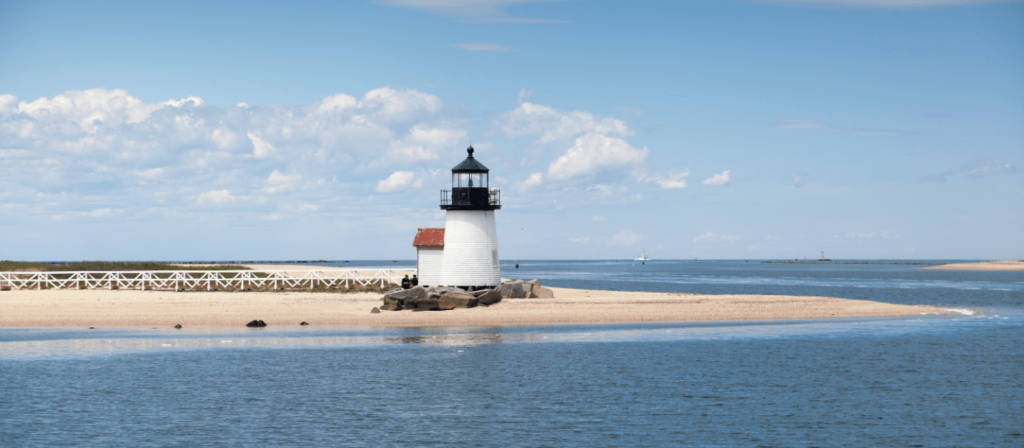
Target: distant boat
[642, 258]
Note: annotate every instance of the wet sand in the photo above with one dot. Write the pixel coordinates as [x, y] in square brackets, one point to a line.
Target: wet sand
[164, 309]
[1012, 265]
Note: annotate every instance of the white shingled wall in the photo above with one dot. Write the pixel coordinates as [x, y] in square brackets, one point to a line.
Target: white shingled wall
[470, 249]
[428, 265]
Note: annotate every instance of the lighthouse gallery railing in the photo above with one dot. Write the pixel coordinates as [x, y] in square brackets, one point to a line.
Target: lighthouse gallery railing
[493, 197]
[199, 280]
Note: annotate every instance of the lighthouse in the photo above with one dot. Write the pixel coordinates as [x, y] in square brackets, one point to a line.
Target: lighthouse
[470, 255]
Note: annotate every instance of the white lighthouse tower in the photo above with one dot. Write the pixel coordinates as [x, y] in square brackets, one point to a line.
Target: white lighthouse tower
[470, 258]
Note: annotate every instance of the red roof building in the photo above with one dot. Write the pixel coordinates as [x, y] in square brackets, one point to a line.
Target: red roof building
[430, 237]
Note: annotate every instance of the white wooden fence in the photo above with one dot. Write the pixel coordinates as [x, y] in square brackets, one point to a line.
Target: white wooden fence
[202, 280]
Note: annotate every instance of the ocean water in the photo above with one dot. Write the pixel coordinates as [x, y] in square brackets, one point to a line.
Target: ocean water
[919, 381]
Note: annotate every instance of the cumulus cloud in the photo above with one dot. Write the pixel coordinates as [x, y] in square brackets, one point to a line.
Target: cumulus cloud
[551, 124]
[718, 179]
[94, 213]
[399, 180]
[278, 181]
[594, 153]
[260, 147]
[672, 180]
[425, 142]
[150, 174]
[216, 197]
[534, 180]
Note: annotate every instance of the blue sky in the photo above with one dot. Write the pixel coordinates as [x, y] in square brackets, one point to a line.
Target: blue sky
[710, 129]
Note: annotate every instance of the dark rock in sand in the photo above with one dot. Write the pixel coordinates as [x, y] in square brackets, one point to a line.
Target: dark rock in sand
[303, 323]
[421, 305]
[540, 292]
[256, 324]
[375, 310]
[489, 297]
[177, 326]
[450, 301]
[418, 292]
[515, 289]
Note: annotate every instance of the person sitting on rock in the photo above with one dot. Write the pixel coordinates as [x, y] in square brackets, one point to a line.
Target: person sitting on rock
[414, 281]
[405, 282]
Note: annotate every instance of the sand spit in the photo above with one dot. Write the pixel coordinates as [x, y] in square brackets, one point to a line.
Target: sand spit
[164, 309]
[1012, 265]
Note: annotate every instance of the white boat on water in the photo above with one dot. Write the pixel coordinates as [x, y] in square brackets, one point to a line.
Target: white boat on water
[643, 257]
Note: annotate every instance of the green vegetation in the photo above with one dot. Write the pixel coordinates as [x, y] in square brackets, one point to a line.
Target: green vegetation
[30, 266]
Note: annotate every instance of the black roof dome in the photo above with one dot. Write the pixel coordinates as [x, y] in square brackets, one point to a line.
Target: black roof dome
[470, 165]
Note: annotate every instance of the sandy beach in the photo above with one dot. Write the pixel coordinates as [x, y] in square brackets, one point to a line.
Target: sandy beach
[164, 309]
[1011, 265]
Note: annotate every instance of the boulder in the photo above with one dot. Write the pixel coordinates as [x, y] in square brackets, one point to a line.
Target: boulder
[375, 310]
[515, 289]
[450, 301]
[177, 326]
[480, 292]
[391, 304]
[418, 292]
[303, 323]
[421, 305]
[540, 292]
[256, 324]
[490, 297]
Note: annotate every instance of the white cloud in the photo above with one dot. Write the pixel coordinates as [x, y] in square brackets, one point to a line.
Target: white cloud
[278, 181]
[390, 104]
[718, 179]
[337, 103]
[532, 181]
[672, 180]
[579, 239]
[477, 11]
[224, 138]
[797, 181]
[399, 180]
[713, 237]
[551, 124]
[598, 218]
[594, 153]
[425, 142]
[94, 214]
[625, 238]
[260, 147]
[149, 174]
[216, 197]
[482, 46]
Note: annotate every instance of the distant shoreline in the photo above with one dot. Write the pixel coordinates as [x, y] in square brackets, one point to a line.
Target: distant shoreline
[1009, 265]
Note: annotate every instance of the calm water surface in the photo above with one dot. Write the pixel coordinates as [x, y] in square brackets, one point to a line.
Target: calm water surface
[920, 381]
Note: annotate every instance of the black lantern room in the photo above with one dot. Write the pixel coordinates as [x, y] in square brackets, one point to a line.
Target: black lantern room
[471, 187]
